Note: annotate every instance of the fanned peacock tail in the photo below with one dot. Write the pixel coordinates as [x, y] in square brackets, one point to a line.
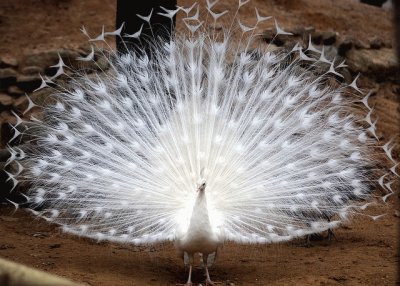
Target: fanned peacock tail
[282, 146]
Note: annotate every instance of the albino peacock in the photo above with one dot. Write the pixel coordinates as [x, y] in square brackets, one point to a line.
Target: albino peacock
[208, 140]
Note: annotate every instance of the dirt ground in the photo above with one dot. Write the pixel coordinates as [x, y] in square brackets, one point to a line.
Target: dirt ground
[365, 252]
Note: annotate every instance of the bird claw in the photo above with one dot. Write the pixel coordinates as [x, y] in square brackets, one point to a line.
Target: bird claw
[211, 283]
[308, 243]
[331, 235]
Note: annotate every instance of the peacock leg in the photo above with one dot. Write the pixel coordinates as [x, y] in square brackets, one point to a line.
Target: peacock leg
[331, 235]
[189, 281]
[208, 279]
[308, 241]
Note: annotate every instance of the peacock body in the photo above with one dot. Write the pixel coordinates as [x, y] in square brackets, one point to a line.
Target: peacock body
[205, 141]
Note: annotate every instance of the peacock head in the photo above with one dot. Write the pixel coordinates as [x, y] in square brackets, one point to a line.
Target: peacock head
[201, 185]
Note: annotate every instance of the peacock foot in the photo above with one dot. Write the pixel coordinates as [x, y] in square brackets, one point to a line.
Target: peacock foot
[331, 235]
[212, 283]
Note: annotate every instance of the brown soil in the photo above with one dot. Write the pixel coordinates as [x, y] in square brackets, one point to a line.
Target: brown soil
[363, 253]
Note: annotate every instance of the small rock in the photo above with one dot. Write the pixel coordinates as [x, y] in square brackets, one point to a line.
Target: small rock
[331, 54]
[8, 219]
[6, 246]
[323, 37]
[84, 49]
[270, 37]
[8, 62]
[297, 31]
[55, 245]
[215, 27]
[6, 118]
[377, 3]
[347, 43]
[28, 83]
[316, 37]
[31, 70]
[45, 59]
[8, 76]
[376, 43]
[41, 97]
[40, 235]
[344, 46]
[289, 45]
[5, 99]
[150, 249]
[102, 63]
[14, 91]
[302, 32]
[340, 278]
[4, 155]
[397, 213]
[309, 29]
[328, 37]
[21, 103]
[380, 62]
[360, 44]
[346, 75]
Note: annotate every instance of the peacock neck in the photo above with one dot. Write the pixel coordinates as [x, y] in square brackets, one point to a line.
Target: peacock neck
[200, 221]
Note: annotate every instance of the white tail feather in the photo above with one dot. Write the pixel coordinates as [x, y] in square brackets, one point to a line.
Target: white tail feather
[120, 154]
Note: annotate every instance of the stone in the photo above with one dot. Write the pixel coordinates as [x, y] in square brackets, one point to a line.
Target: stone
[102, 63]
[28, 83]
[8, 62]
[380, 63]
[376, 43]
[331, 54]
[5, 100]
[31, 70]
[8, 76]
[7, 116]
[215, 27]
[297, 31]
[322, 37]
[360, 44]
[328, 37]
[347, 77]
[14, 91]
[345, 45]
[270, 36]
[316, 37]
[4, 155]
[84, 49]
[41, 97]
[21, 103]
[8, 219]
[377, 3]
[44, 60]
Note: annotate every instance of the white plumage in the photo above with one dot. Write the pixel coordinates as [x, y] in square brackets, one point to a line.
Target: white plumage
[204, 142]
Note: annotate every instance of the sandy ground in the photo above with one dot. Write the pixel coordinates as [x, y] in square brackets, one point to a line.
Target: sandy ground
[363, 253]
